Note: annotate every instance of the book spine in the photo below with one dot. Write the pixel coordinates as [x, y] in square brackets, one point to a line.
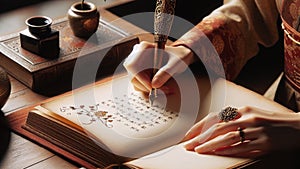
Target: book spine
[13, 68]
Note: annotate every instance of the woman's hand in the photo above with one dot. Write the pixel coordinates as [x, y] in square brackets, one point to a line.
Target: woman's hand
[261, 132]
[140, 65]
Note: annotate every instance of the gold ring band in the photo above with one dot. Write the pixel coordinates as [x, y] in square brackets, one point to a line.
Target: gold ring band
[242, 135]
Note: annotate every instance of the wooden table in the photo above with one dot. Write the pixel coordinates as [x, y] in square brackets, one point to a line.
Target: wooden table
[21, 152]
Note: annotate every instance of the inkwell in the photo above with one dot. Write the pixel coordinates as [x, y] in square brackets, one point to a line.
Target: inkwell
[39, 38]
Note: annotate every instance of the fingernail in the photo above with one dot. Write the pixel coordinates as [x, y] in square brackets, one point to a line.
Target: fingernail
[187, 146]
[190, 145]
[200, 149]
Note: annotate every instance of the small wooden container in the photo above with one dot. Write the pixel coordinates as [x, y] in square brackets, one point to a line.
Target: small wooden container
[83, 19]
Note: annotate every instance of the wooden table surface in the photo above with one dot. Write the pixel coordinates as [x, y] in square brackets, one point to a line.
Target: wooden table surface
[23, 153]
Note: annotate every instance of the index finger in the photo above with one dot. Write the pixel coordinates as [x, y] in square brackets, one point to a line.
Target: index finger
[202, 126]
[226, 114]
[144, 78]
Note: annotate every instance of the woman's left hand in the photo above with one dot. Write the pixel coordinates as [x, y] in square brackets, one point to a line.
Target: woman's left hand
[252, 133]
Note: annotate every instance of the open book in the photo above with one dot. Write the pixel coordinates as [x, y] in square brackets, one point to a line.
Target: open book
[109, 123]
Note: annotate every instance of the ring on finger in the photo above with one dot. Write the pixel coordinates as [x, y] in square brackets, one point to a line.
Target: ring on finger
[228, 114]
[241, 134]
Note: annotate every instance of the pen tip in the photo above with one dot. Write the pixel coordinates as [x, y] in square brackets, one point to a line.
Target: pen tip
[150, 103]
[151, 97]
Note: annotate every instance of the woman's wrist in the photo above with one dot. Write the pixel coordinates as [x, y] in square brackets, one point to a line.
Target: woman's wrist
[291, 119]
[189, 56]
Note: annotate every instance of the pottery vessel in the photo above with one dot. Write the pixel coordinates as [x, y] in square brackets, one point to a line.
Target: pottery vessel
[83, 19]
[39, 38]
[39, 25]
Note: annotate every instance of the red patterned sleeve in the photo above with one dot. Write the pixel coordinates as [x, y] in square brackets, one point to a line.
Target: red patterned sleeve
[234, 31]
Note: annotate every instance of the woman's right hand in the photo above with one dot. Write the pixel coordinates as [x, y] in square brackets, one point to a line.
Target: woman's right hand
[139, 64]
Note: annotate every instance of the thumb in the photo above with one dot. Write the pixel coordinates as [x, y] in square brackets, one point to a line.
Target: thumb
[166, 72]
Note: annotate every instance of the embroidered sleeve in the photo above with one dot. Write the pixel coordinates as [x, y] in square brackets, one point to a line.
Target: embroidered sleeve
[234, 30]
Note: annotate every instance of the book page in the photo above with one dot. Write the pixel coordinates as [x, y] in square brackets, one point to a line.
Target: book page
[222, 93]
[121, 119]
[225, 93]
[176, 157]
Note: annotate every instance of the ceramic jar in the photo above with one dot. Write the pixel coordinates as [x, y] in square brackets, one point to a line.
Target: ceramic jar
[5, 87]
[83, 19]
